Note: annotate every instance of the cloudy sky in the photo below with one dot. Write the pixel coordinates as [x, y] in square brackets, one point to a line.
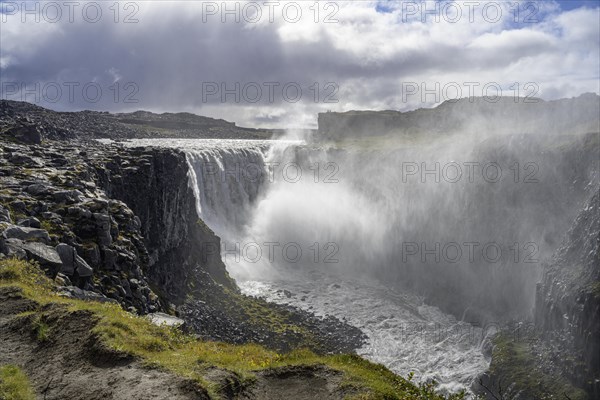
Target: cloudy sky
[277, 64]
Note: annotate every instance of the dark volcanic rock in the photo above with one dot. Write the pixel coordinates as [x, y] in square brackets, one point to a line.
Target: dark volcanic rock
[26, 133]
[568, 298]
[26, 233]
[28, 123]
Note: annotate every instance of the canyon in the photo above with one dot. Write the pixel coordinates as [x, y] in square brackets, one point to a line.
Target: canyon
[157, 223]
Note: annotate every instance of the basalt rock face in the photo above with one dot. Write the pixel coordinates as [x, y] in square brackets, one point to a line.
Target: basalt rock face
[106, 220]
[568, 298]
[154, 183]
[53, 212]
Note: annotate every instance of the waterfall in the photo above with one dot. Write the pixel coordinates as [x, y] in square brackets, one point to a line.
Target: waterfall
[227, 182]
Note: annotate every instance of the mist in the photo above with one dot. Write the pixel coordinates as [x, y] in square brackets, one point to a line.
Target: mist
[463, 218]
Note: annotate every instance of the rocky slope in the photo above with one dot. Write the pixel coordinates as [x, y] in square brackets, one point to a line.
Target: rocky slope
[139, 124]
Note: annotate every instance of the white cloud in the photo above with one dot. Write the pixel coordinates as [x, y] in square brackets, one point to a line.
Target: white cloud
[177, 46]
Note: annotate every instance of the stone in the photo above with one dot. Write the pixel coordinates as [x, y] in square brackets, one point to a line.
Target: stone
[25, 233]
[62, 280]
[5, 214]
[26, 133]
[51, 216]
[45, 255]
[72, 262]
[13, 248]
[77, 293]
[165, 319]
[68, 196]
[30, 222]
[18, 205]
[82, 268]
[22, 159]
[91, 254]
[79, 212]
[37, 189]
[109, 259]
[67, 255]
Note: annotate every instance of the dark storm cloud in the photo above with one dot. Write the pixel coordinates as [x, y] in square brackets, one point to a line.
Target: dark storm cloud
[174, 51]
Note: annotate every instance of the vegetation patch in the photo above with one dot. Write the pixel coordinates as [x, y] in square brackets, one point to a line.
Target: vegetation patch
[14, 384]
[170, 349]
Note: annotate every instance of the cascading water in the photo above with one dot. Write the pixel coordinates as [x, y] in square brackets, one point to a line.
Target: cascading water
[226, 182]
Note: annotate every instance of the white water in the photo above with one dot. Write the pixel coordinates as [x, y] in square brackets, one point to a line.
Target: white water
[403, 333]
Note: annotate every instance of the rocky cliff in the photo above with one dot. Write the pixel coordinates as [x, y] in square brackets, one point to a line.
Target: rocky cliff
[154, 183]
[558, 355]
[499, 115]
[568, 298]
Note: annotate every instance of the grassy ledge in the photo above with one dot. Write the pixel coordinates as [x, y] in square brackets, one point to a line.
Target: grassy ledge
[169, 349]
[14, 384]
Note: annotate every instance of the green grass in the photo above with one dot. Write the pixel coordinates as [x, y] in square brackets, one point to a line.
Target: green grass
[14, 384]
[170, 349]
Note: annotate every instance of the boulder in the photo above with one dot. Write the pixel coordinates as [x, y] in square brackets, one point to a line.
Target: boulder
[13, 248]
[37, 189]
[71, 262]
[79, 212]
[45, 255]
[26, 133]
[68, 196]
[25, 233]
[67, 255]
[30, 222]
